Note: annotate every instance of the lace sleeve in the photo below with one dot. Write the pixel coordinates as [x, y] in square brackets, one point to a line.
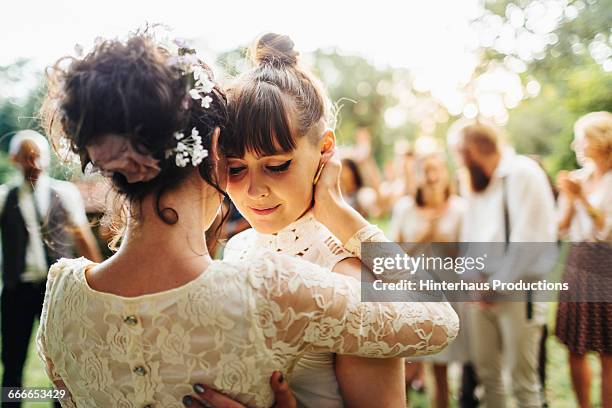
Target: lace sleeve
[369, 233]
[305, 307]
[41, 344]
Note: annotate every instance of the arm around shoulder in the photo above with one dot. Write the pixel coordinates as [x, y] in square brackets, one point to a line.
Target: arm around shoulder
[312, 309]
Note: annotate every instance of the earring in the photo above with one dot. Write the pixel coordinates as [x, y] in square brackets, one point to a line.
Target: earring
[318, 174]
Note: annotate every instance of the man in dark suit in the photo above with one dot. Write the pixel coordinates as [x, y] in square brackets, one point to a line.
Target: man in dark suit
[41, 221]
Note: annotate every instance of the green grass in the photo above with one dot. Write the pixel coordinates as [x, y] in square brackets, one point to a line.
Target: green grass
[34, 375]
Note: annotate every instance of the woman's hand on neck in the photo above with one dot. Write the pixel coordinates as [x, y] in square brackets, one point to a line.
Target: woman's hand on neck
[330, 208]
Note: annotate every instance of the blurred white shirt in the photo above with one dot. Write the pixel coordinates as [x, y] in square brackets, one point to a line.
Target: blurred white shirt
[530, 203]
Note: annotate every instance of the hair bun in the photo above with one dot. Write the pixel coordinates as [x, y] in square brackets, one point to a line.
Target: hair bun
[275, 49]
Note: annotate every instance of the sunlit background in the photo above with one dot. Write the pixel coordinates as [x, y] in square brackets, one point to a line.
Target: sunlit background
[405, 70]
[400, 71]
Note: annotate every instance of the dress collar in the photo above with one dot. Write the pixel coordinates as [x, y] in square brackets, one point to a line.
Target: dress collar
[295, 236]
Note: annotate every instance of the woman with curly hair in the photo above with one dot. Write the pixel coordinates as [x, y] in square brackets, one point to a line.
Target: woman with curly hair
[139, 328]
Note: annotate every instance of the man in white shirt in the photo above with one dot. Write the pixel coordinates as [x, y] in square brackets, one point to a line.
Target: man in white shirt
[41, 219]
[508, 199]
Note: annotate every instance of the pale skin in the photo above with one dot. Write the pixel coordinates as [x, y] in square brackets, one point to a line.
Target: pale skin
[284, 182]
[577, 192]
[28, 161]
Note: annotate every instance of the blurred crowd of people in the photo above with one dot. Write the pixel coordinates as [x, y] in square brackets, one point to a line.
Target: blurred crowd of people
[496, 195]
[473, 188]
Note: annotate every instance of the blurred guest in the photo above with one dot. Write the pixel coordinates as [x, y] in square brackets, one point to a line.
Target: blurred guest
[434, 214]
[402, 182]
[40, 220]
[361, 197]
[586, 221]
[350, 184]
[361, 177]
[509, 200]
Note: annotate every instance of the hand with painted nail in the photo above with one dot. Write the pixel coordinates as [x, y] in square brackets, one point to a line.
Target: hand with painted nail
[209, 398]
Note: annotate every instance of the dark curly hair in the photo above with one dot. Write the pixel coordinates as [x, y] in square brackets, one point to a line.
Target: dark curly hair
[131, 89]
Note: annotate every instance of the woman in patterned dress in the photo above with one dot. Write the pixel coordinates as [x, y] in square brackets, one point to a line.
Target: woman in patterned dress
[584, 315]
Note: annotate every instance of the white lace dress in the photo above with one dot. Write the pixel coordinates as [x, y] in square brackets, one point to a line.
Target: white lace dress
[231, 328]
[313, 379]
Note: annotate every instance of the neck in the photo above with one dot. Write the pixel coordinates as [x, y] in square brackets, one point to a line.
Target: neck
[435, 198]
[601, 167]
[151, 241]
[31, 180]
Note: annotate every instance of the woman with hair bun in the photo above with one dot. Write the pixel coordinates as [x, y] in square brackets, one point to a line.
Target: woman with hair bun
[278, 139]
[138, 329]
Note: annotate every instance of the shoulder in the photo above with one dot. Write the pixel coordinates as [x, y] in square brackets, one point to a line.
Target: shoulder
[525, 167]
[65, 189]
[65, 274]
[68, 266]
[605, 185]
[237, 245]
[329, 250]
[525, 172]
[283, 273]
[5, 189]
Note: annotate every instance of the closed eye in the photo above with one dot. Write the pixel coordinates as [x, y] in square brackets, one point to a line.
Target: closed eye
[280, 168]
[233, 171]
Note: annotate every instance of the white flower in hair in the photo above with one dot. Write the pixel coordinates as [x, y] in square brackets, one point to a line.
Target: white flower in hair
[206, 102]
[188, 149]
[200, 74]
[187, 61]
[195, 94]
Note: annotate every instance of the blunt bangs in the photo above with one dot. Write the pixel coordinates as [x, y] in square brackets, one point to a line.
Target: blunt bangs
[259, 122]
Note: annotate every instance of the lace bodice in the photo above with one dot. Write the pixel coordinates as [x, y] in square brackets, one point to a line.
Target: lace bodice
[230, 327]
[305, 238]
[313, 380]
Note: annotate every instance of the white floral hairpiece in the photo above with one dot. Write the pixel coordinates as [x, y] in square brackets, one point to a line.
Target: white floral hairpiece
[189, 148]
[188, 63]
